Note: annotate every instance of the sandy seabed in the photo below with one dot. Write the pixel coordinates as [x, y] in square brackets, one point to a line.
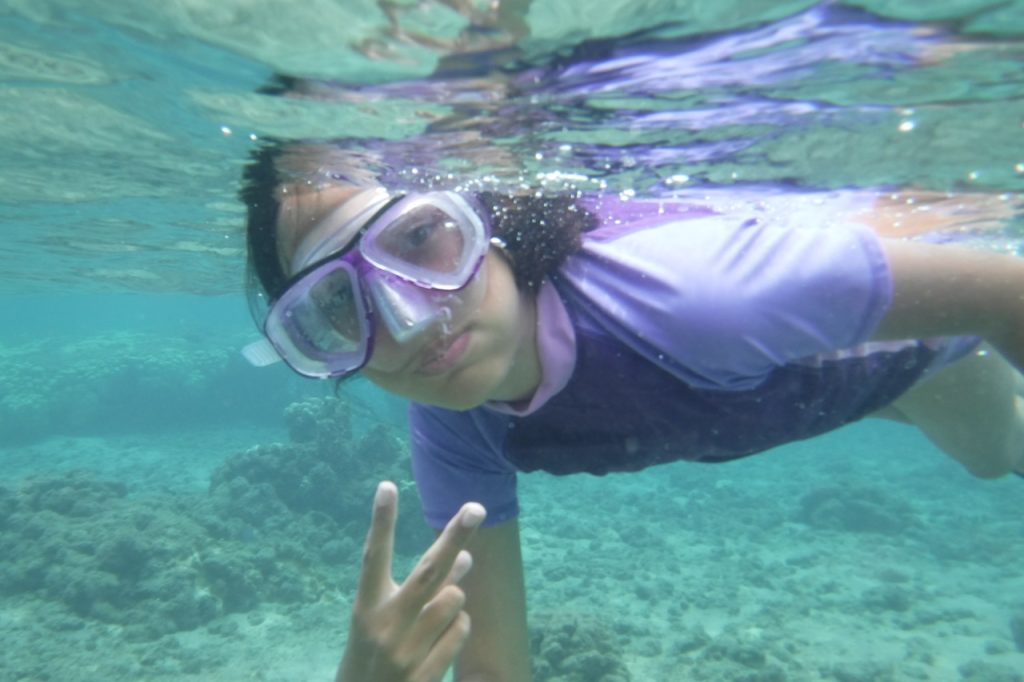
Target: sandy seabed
[858, 557]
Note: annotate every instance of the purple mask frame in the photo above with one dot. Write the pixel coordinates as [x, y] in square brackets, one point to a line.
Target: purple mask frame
[287, 335]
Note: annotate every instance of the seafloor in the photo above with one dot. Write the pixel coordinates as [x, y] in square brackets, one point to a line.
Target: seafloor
[206, 549]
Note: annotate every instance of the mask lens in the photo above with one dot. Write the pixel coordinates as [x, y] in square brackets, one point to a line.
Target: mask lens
[426, 238]
[319, 325]
[329, 317]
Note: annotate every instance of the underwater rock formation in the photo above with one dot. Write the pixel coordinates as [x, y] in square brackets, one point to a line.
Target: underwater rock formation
[329, 468]
[125, 382]
[984, 671]
[281, 523]
[856, 510]
[741, 653]
[574, 648]
[1017, 628]
[86, 545]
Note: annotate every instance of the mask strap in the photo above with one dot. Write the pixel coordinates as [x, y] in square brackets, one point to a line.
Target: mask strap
[338, 227]
[260, 353]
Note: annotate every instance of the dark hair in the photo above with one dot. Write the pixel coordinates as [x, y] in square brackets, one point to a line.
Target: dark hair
[539, 232]
[263, 271]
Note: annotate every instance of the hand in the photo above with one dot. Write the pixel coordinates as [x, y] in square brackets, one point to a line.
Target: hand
[410, 632]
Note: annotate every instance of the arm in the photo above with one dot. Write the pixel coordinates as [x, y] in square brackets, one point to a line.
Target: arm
[498, 645]
[947, 290]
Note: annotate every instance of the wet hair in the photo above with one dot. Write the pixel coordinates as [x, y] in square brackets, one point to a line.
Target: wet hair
[264, 275]
[538, 232]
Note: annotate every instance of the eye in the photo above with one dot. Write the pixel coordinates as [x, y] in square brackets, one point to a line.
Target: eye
[428, 238]
[419, 234]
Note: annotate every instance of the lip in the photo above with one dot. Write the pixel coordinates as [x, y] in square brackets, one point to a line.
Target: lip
[442, 357]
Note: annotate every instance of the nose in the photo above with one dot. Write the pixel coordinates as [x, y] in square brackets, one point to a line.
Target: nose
[405, 309]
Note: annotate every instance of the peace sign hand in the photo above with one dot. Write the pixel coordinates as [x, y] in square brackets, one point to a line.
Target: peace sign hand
[410, 632]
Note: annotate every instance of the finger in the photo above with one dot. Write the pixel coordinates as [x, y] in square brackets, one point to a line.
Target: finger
[375, 575]
[437, 562]
[438, 613]
[432, 622]
[463, 562]
[447, 647]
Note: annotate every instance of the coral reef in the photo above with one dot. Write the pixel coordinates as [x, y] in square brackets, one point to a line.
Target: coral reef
[126, 382]
[1017, 628]
[281, 524]
[983, 671]
[741, 653]
[328, 469]
[693, 573]
[575, 648]
[856, 509]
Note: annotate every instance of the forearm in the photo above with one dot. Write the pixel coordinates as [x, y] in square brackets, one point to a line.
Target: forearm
[498, 648]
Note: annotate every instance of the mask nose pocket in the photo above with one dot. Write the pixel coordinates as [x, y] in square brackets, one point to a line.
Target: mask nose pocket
[405, 308]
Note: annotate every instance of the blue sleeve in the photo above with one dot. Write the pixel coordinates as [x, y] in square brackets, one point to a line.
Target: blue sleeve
[721, 301]
[456, 458]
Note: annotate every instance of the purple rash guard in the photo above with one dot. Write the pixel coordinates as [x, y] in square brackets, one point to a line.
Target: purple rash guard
[704, 331]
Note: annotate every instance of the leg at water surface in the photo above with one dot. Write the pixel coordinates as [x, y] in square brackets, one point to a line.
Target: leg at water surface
[972, 410]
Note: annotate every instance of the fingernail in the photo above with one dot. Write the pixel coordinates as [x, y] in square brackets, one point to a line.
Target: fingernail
[386, 492]
[463, 562]
[473, 515]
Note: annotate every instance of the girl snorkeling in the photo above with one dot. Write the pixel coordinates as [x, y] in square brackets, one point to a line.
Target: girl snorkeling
[591, 334]
[585, 332]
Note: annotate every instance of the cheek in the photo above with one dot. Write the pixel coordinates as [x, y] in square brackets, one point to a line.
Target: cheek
[467, 302]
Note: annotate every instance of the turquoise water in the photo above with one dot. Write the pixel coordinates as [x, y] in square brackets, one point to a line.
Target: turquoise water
[168, 513]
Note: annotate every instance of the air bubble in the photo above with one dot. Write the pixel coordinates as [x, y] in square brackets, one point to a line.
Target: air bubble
[445, 314]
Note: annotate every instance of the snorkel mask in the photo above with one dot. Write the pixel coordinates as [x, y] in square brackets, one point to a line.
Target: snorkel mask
[400, 259]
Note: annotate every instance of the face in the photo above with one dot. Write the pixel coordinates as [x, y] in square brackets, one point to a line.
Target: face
[484, 349]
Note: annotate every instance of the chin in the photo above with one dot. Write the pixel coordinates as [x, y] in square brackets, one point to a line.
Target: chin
[462, 390]
[455, 404]
[460, 396]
